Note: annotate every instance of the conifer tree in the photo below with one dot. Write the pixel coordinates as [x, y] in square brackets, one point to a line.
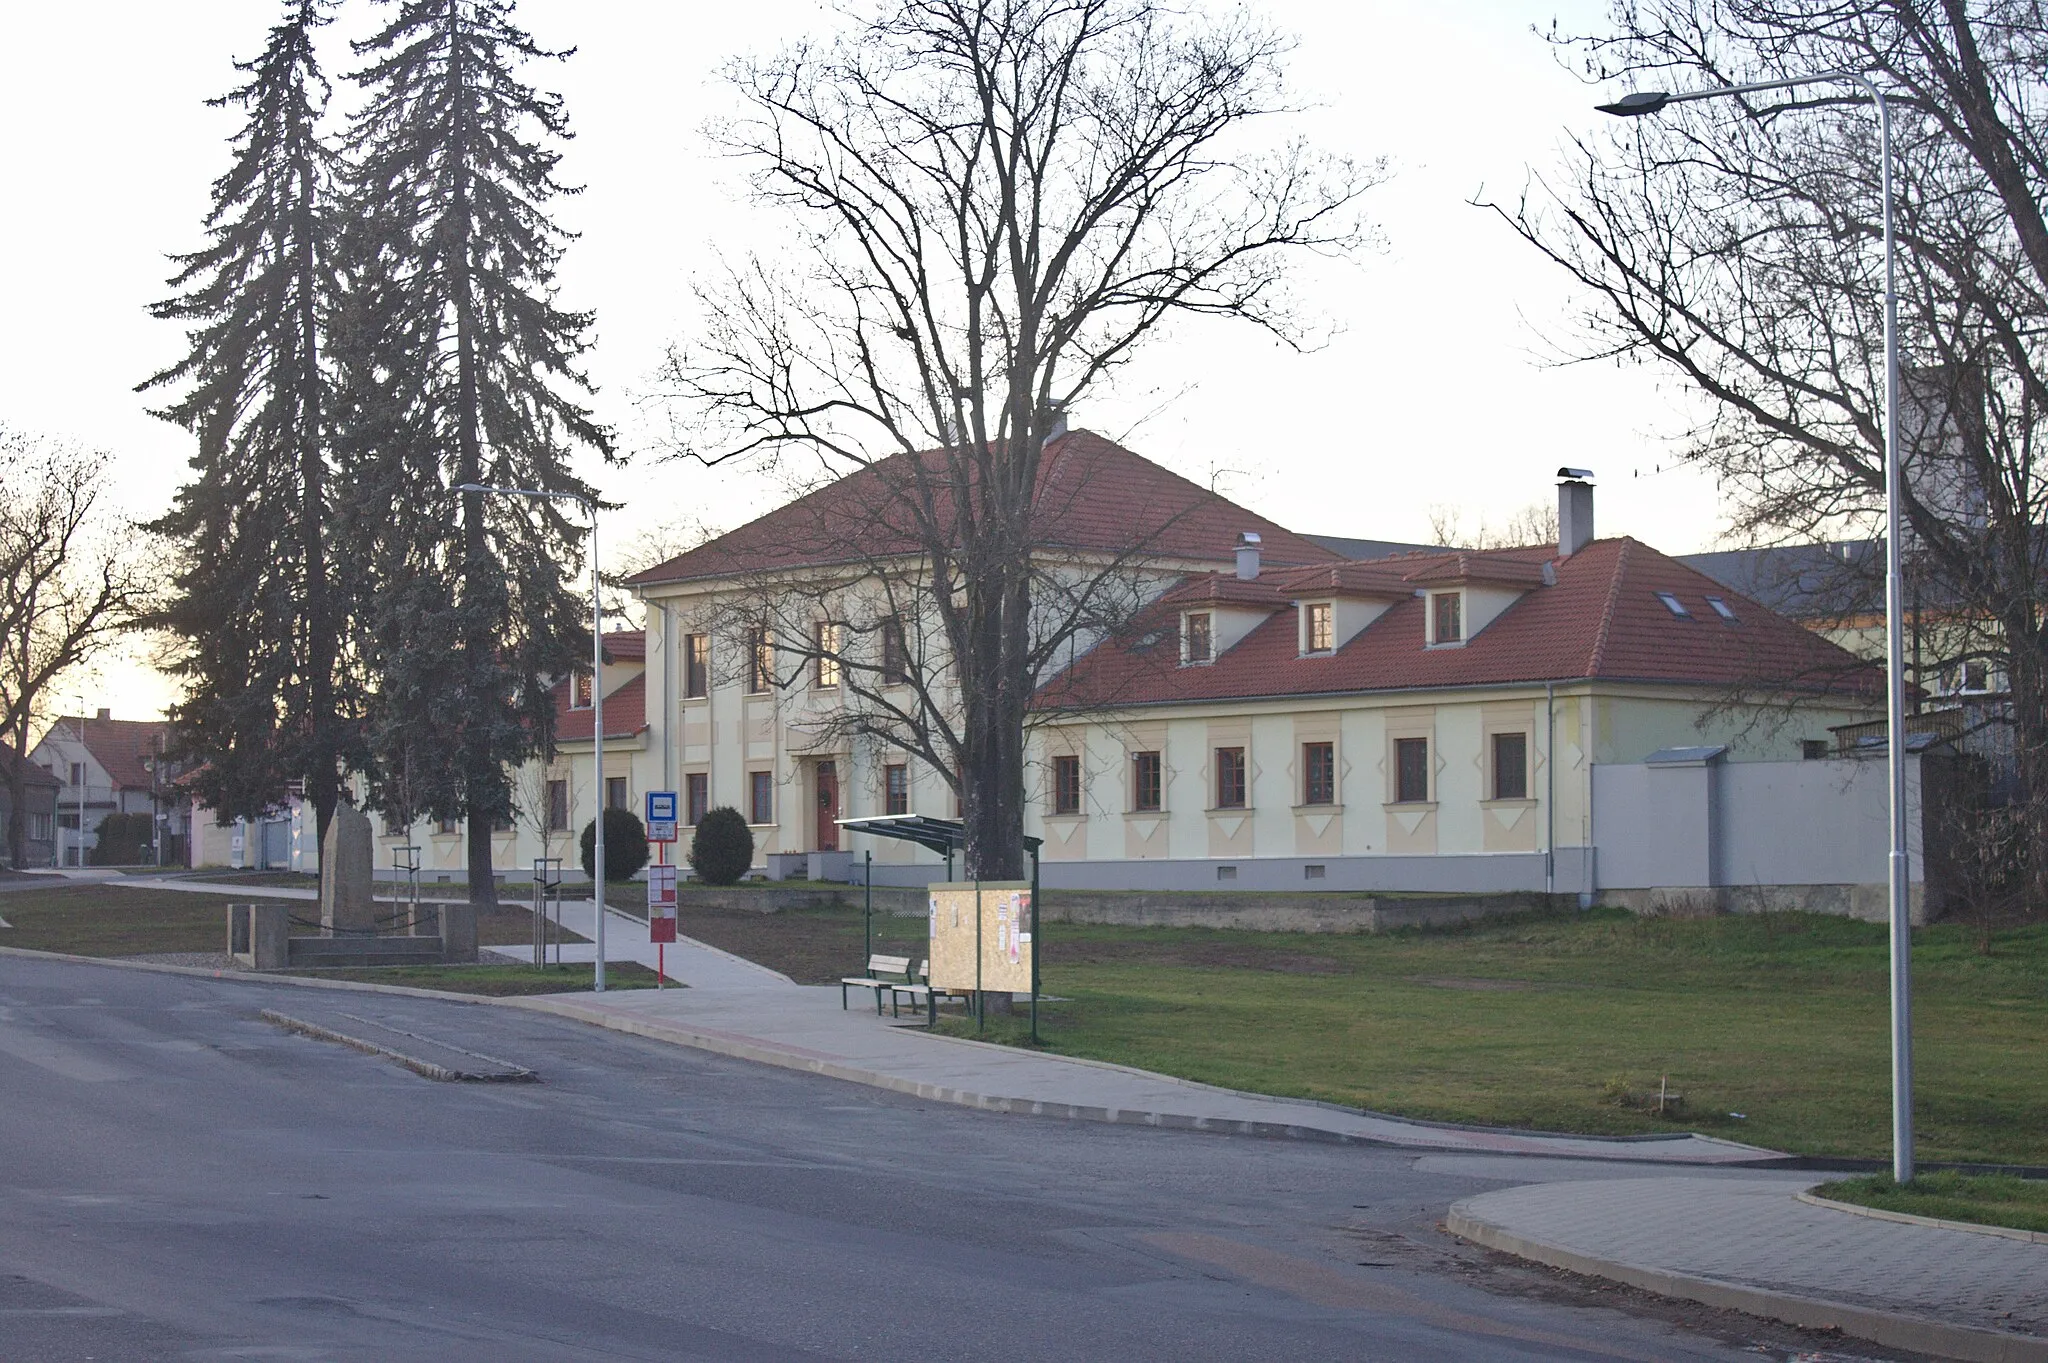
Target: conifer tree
[460, 369]
[254, 608]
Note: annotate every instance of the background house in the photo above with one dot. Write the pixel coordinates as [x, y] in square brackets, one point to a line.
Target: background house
[109, 766]
[39, 810]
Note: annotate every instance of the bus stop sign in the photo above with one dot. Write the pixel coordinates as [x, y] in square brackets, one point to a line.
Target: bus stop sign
[661, 816]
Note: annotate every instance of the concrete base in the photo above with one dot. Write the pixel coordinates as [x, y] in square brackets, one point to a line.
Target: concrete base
[458, 933]
[1868, 903]
[789, 865]
[335, 952]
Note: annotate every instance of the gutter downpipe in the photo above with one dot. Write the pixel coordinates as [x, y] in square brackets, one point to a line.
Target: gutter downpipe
[1549, 788]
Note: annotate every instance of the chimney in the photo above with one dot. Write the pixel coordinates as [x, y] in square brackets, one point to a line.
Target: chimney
[105, 714]
[1248, 544]
[1055, 422]
[1574, 511]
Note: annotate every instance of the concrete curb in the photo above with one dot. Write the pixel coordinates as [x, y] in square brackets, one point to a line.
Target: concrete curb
[740, 1047]
[1764, 1157]
[748, 1048]
[1890, 1328]
[426, 1069]
[249, 976]
[2032, 1237]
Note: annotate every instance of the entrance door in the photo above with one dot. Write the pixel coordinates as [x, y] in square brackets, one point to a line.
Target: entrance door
[828, 807]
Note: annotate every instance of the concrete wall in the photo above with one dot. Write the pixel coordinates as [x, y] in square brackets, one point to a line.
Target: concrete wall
[1751, 836]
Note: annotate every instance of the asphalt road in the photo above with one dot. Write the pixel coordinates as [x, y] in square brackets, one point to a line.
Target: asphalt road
[182, 1180]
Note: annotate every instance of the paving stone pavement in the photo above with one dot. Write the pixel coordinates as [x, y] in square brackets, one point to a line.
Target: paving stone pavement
[1754, 1232]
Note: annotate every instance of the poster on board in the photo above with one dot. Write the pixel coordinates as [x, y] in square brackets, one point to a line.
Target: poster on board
[981, 936]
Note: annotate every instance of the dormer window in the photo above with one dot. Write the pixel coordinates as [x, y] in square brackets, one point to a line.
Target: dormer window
[1447, 618]
[1318, 632]
[1197, 640]
[579, 691]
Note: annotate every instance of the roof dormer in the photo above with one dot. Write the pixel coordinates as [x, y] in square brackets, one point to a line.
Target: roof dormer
[1464, 593]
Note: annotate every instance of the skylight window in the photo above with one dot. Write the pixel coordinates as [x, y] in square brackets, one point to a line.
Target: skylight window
[1674, 605]
[1721, 609]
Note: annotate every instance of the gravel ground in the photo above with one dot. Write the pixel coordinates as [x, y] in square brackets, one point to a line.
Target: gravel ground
[204, 960]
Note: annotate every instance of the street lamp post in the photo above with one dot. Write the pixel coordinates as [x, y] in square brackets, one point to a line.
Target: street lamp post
[1899, 889]
[596, 702]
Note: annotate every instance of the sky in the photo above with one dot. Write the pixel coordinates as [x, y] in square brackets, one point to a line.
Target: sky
[1439, 387]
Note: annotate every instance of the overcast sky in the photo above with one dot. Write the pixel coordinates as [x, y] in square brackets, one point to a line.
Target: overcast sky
[1438, 390]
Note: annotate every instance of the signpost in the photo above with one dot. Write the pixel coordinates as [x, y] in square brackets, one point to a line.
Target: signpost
[661, 879]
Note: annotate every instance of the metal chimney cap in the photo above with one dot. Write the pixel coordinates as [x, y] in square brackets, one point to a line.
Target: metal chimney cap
[1579, 475]
[1250, 537]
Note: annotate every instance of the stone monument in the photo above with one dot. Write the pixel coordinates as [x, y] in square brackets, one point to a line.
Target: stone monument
[346, 858]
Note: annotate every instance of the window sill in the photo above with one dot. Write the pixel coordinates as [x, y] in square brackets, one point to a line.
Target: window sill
[1392, 805]
[1230, 809]
[1198, 662]
[1524, 803]
[1145, 813]
[1317, 653]
[1454, 643]
[1066, 818]
[1332, 808]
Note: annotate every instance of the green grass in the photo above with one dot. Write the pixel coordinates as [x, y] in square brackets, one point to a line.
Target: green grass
[1986, 1199]
[497, 981]
[1560, 1022]
[110, 920]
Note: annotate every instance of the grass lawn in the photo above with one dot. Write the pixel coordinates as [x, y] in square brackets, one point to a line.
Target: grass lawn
[1989, 1200]
[112, 920]
[498, 981]
[1560, 1022]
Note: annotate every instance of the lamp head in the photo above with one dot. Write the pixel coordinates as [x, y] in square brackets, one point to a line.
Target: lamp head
[471, 487]
[1636, 105]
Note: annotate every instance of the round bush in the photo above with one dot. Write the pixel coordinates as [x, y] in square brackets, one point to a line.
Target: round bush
[625, 844]
[723, 848]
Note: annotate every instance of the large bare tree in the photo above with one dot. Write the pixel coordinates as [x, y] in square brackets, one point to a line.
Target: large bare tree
[70, 584]
[994, 204]
[1735, 244]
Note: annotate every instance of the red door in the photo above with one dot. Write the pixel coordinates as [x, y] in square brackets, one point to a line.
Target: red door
[828, 807]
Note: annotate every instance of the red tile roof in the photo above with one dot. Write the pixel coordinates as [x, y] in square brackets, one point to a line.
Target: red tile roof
[1093, 495]
[625, 712]
[1602, 619]
[120, 745]
[626, 645]
[31, 774]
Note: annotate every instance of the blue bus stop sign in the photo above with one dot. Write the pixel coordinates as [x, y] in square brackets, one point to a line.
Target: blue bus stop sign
[661, 816]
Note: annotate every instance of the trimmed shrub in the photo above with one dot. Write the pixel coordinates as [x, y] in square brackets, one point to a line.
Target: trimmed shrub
[122, 840]
[723, 848]
[625, 844]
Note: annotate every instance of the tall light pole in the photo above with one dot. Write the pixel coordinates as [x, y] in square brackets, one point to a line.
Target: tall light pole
[1899, 887]
[596, 700]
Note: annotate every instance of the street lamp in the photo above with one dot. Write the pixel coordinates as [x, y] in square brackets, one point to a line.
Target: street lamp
[596, 700]
[1649, 102]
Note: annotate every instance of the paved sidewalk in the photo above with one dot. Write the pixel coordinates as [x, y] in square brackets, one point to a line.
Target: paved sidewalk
[737, 1008]
[1752, 1245]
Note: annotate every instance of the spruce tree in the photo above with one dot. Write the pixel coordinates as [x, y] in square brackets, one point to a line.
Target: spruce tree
[254, 606]
[460, 369]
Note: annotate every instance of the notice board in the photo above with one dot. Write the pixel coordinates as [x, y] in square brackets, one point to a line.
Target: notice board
[991, 920]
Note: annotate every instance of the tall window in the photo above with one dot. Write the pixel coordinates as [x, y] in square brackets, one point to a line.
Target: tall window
[615, 792]
[558, 807]
[39, 826]
[1319, 773]
[1066, 785]
[1197, 642]
[1449, 608]
[896, 788]
[696, 796]
[1316, 633]
[78, 770]
[579, 692]
[1411, 771]
[1145, 783]
[828, 636]
[1230, 784]
[1511, 766]
[761, 793]
[450, 825]
[895, 652]
[696, 666]
[760, 661]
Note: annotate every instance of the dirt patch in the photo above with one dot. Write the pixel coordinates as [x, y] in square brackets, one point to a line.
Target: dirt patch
[1478, 986]
[1225, 955]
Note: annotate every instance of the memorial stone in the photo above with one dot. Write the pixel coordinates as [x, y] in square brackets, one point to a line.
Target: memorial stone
[346, 857]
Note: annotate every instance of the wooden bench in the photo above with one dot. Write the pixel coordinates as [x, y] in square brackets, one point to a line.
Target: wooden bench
[919, 989]
[880, 967]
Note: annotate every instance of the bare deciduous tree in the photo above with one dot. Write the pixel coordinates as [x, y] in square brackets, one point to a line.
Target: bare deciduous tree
[997, 203]
[70, 584]
[1735, 244]
[1535, 523]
